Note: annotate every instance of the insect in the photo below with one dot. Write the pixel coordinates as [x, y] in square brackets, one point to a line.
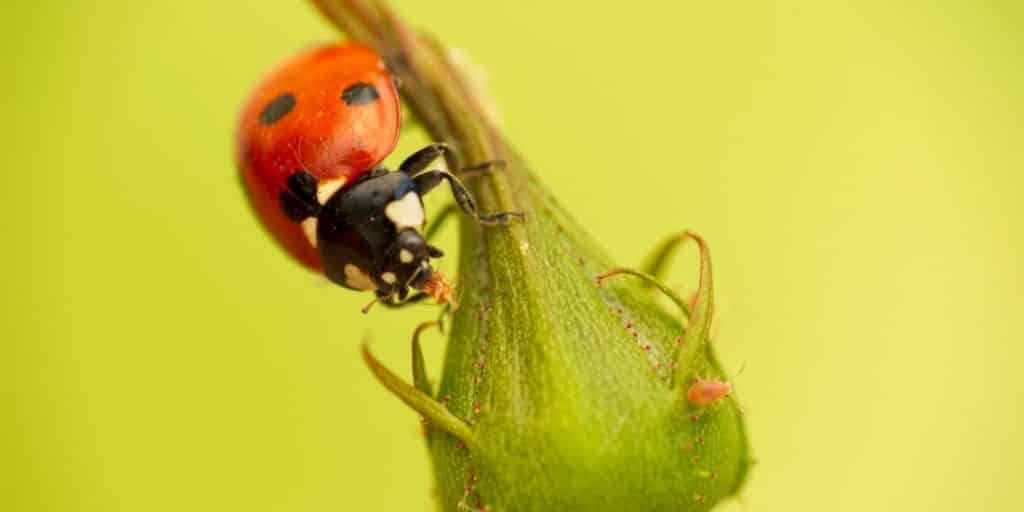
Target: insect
[310, 141]
[706, 392]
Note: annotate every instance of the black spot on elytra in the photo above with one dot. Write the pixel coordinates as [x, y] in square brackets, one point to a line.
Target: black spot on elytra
[277, 108]
[359, 94]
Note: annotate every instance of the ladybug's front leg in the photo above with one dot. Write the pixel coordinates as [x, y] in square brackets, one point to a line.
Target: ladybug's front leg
[426, 182]
[415, 298]
[389, 300]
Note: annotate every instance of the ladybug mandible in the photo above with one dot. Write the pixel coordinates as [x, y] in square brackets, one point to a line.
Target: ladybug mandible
[310, 141]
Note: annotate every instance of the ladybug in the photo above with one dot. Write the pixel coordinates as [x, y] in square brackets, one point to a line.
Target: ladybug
[310, 141]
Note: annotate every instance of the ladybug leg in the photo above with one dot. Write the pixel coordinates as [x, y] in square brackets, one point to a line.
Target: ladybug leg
[299, 202]
[420, 160]
[390, 302]
[426, 182]
[483, 167]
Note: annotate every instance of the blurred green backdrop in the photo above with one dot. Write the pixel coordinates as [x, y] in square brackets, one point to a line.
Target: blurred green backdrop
[856, 170]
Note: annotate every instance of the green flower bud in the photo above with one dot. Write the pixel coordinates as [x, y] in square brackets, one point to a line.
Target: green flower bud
[564, 387]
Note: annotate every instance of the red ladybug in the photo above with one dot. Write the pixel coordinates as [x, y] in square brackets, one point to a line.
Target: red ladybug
[310, 139]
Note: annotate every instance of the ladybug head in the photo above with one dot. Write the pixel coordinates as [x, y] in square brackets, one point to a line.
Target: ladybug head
[411, 256]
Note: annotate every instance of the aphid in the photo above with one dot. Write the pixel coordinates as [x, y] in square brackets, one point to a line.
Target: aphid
[705, 392]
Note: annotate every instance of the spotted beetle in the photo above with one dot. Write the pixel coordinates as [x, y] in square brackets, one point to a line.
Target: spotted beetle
[310, 141]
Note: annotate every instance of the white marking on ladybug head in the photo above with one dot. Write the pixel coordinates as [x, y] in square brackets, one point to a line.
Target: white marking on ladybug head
[389, 277]
[327, 188]
[406, 212]
[309, 229]
[405, 256]
[356, 279]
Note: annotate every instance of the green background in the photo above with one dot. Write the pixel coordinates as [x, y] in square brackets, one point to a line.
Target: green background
[856, 170]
